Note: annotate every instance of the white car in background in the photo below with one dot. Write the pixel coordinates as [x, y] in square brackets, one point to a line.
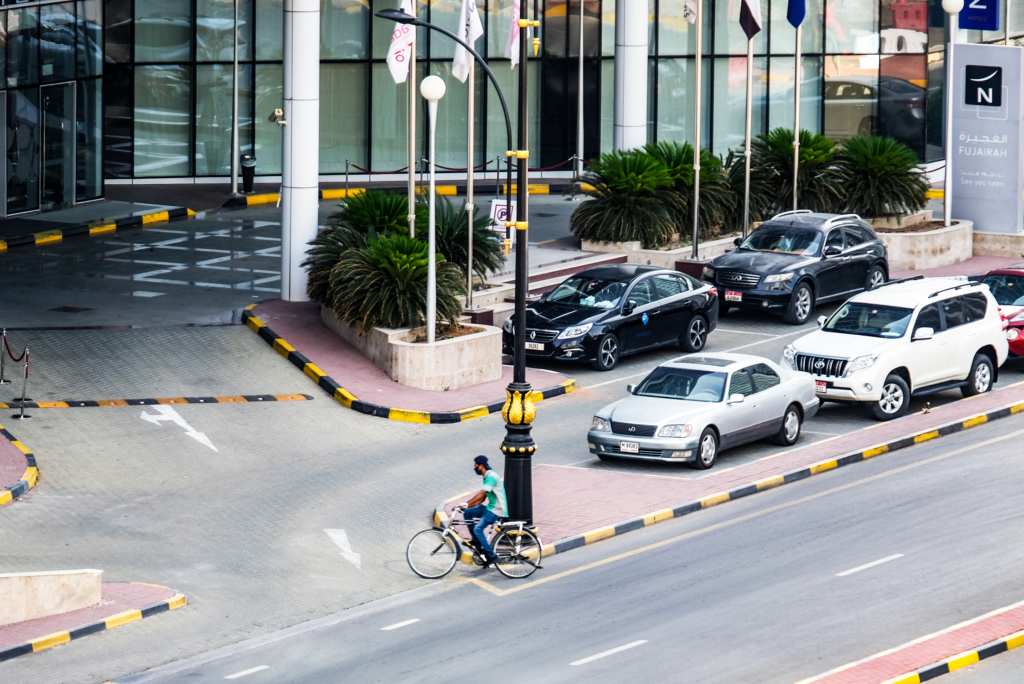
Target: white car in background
[911, 337]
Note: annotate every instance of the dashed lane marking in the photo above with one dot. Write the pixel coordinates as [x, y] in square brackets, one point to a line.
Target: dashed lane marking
[609, 652]
[250, 671]
[399, 625]
[869, 565]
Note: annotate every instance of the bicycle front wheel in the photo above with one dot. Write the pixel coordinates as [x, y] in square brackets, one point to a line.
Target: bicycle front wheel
[518, 553]
[432, 554]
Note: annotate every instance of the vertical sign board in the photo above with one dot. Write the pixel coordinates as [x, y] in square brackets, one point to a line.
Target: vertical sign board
[499, 215]
[987, 140]
[982, 15]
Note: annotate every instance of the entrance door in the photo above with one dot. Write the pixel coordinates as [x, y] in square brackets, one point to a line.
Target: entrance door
[58, 107]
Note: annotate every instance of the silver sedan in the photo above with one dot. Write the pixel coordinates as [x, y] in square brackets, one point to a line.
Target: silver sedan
[692, 407]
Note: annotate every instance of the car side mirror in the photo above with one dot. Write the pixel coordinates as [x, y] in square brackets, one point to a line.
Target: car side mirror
[631, 389]
[821, 321]
[736, 399]
[736, 242]
[924, 334]
[630, 305]
[833, 251]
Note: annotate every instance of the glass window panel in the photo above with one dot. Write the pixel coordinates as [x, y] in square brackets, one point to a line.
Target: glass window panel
[731, 102]
[607, 104]
[269, 30]
[3, 55]
[851, 96]
[729, 36]
[904, 26]
[851, 26]
[934, 119]
[676, 87]
[213, 117]
[23, 148]
[446, 14]
[1016, 22]
[497, 137]
[384, 28]
[269, 136]
[117, 34]
[677, 36]
[88, 150]
[780, 94]
[499, 21]
[345, 29]
[389, 128]
[452, 122]
[783, 35]
[555, 26]
[591, 29]
[903, 95]
[608, 28]
[343, 116]
[117, 121]
[57, 41]
[22, 47]
[163, 30]
[90, 38]
[163, 113]
[215, 35]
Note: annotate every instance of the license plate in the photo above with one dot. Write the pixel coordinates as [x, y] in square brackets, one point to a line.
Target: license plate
[536, 346]
[629, 447]
[820, 387]
[733, 296]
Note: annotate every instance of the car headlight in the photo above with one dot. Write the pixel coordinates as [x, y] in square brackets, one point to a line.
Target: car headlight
[575, 331]
[675, 431]
[600, 424]
[1012, 334]
[507, 325]
[778, 277]
[860, 363]
[789, 353]
[709, 273]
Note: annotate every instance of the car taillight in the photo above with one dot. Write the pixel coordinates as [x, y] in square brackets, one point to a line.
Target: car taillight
[713, 292]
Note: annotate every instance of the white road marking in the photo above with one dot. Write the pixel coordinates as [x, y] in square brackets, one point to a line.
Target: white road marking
[743, 332]
[608, 653]
[869, 565]
[341, 539]
[400, 624]
[164, 412]
[247, 672]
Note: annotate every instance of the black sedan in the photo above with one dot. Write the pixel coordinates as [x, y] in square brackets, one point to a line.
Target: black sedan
[799, 259]
[603, 313]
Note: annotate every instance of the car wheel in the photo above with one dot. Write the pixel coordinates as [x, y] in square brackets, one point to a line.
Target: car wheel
[789, 433]
[696, 335]
[707, 450]
[876, 277]
[894, 401]
[607, 353]
[867, 126]
[980, 379]
[801, 305]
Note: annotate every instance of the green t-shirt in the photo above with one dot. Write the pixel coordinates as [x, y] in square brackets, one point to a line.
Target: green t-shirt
[495, 490]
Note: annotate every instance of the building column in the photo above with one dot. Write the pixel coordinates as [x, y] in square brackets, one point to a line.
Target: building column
[300, 190]
[631, 78]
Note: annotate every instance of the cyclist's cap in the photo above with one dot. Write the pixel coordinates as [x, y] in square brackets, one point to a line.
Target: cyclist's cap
[482, 460]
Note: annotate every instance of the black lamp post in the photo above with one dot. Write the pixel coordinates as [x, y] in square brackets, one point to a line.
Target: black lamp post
[518, 411]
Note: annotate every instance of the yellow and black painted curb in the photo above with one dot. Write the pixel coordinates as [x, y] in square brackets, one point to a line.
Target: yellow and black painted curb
[237, 399]
[28, 480]
[961, 660]
[347, 399]
[768, 483]
[57, 638]
[333, 193]
[95, 228]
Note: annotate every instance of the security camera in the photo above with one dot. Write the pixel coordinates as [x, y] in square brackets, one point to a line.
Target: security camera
[277, 116]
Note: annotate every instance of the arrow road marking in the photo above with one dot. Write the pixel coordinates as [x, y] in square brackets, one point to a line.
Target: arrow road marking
[164, 412]
[341, 539]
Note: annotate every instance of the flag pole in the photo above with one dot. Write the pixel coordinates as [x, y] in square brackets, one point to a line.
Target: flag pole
[411, 78]
[796, 115]
[469, 187]
[579, 106]
[696, 127]
[746, 151]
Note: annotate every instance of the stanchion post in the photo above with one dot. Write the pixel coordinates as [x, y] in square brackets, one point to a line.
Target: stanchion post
[346, 179]
[24, 387]
[3, 339]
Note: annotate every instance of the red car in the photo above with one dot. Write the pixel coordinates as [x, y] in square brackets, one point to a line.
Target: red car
[1007, 286]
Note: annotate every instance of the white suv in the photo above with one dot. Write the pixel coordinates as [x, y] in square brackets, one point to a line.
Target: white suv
[917, 336]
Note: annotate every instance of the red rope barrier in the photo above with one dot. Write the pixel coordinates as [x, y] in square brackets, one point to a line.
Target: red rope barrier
[376, 173]
[11, 354]
[478, 166]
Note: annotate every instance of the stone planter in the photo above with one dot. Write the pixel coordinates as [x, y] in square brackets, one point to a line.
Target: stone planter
[444, 365]
[999, 244]
[904, 221]
[662, 258]
[929, 249]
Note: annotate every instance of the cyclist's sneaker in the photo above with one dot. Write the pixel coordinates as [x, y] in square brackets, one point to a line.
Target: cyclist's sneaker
[490, 562]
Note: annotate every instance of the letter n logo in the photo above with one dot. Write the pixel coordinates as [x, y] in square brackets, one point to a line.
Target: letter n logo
[984, 86]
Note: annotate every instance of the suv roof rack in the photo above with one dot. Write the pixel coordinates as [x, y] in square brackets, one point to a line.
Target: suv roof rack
[794, 211]
[841, 217]
[968, 283]
[898, 280]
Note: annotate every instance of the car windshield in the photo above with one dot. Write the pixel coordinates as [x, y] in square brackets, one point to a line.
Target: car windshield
[799, 241]
[604, 294]
[683, 383]
[872, 320]
[1007, 289]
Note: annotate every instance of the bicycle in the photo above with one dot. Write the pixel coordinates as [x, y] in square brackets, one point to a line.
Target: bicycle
[433, 553]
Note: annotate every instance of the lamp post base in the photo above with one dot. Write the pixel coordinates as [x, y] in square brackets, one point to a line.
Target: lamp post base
[519, 447]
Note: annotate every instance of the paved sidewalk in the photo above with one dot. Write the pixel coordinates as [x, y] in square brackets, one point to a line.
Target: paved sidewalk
[979, 265]
[298, 323]
[12, 464]
[601, 499]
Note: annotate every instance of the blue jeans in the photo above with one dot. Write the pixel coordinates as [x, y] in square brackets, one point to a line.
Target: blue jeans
[487, 518]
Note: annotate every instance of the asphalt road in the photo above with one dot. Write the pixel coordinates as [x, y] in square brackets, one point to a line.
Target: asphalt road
[758, 590]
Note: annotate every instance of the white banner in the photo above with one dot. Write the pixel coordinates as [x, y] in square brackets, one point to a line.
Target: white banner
[512, 46]
[402, 41]
[471, 30]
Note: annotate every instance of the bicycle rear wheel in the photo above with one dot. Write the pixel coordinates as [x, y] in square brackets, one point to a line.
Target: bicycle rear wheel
[432, 554]
[518, 553]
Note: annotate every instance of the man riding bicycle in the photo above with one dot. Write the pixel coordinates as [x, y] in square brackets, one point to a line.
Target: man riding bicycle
[489, 513]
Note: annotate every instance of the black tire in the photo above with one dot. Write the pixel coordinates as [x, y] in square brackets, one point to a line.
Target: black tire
[868, 125]
[608, 350]
[696, 335]
[432, 554]
[876, 277]
[707, 450]
[980, 378]
[518, 553]
[789, 431]
[724, 310]
[801, 305]
[895, 399]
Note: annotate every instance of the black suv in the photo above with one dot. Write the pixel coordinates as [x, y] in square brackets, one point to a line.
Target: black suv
[798, 259]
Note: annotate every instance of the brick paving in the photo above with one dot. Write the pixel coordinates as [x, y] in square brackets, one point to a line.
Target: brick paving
[12, 463]
[116, 597]
[299, 324]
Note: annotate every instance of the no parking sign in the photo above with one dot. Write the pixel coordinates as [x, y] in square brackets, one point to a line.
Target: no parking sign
[499, 215]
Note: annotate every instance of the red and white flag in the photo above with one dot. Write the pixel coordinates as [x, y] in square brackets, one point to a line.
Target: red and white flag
[512, 46]
[402, 42]
[750, 17]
